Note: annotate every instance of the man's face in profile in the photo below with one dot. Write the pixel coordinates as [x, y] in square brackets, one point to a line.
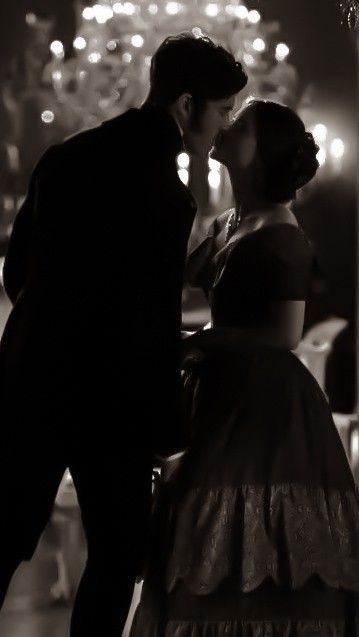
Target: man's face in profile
[200, 135]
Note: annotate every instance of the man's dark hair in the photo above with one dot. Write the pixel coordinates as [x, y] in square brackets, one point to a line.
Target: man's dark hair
[188, 64]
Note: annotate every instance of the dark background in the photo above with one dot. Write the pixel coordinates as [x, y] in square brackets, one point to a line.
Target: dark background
[324, 52]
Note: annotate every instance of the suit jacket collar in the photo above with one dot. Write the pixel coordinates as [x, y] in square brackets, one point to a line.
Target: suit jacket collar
[163, 129]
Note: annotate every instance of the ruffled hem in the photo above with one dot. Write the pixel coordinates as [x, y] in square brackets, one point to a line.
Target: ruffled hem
[305, 628]
[248, 534]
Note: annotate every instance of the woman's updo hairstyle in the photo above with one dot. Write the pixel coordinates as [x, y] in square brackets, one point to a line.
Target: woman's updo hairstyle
[286, 150]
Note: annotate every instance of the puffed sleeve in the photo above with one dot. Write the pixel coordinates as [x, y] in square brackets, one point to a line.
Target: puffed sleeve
[277, 263]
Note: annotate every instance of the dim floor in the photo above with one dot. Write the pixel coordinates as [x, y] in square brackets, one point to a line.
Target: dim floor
[45, 623]
[26, 615]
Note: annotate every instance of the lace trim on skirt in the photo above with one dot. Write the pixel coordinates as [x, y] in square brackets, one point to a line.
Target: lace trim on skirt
[286, 532]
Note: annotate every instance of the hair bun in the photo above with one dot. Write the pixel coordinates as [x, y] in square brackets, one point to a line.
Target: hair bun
[308, 145]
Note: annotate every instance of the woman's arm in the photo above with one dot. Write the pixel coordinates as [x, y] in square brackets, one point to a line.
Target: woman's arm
[197, 262]
[283, 330]
[200, 260]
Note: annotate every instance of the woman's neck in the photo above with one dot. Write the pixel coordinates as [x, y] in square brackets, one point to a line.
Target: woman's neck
[252, 204]
[248, 207]
[247, 202]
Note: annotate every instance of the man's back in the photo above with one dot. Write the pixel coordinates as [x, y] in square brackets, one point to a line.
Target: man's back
[95, 265]
[105, 211]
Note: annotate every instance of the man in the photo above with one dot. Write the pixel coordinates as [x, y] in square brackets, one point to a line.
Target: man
[89, 362]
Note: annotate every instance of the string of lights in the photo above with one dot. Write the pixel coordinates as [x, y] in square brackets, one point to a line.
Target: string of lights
[105, 70]
[109, 70]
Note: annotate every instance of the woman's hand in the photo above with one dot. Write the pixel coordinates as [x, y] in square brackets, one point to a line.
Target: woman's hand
[282, 330]
[200, 267]
[170, 465]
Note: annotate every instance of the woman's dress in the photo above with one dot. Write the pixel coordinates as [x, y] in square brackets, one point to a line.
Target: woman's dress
[257, 532]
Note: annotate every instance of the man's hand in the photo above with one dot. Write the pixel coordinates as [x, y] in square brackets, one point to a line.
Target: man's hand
[191, 349]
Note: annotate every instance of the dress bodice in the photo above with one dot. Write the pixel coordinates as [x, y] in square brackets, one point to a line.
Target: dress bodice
[270, 264]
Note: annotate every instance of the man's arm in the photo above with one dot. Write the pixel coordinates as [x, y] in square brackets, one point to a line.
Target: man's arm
[15, 263]
[16, 259]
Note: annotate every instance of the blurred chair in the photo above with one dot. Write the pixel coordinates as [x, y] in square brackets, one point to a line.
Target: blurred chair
[354, 446]
[314, 352]
[348, 429]
[345, 425]
[316, 345]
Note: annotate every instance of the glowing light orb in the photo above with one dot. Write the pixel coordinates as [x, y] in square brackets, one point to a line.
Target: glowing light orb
[57, 76]
[102, 13]
[94, 57]
[31, 19]
[214, 164]
[281, 52]
[241, 12]
[320, 132]
[111, 45]
[57, 48]
[254, 16]
[80, 43]
[47, 116]
[337, 148]
[259, 45]
[137, 41]
[129, 8]
[88, 13]
[183, 175]
[172, 8]
[183, 160]
[212, 9]
[321, 156]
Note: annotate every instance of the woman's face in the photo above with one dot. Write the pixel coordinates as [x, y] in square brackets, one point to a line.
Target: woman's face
[236, 146]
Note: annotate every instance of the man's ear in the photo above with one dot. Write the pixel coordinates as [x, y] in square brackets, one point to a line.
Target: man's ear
[182, 109]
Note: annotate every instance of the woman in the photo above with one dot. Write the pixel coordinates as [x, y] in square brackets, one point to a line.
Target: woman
[256, 532]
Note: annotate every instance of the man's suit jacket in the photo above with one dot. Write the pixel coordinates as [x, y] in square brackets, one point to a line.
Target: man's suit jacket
[94, 269]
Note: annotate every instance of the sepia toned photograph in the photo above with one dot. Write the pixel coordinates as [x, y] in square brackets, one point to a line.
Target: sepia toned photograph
[179, 335]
